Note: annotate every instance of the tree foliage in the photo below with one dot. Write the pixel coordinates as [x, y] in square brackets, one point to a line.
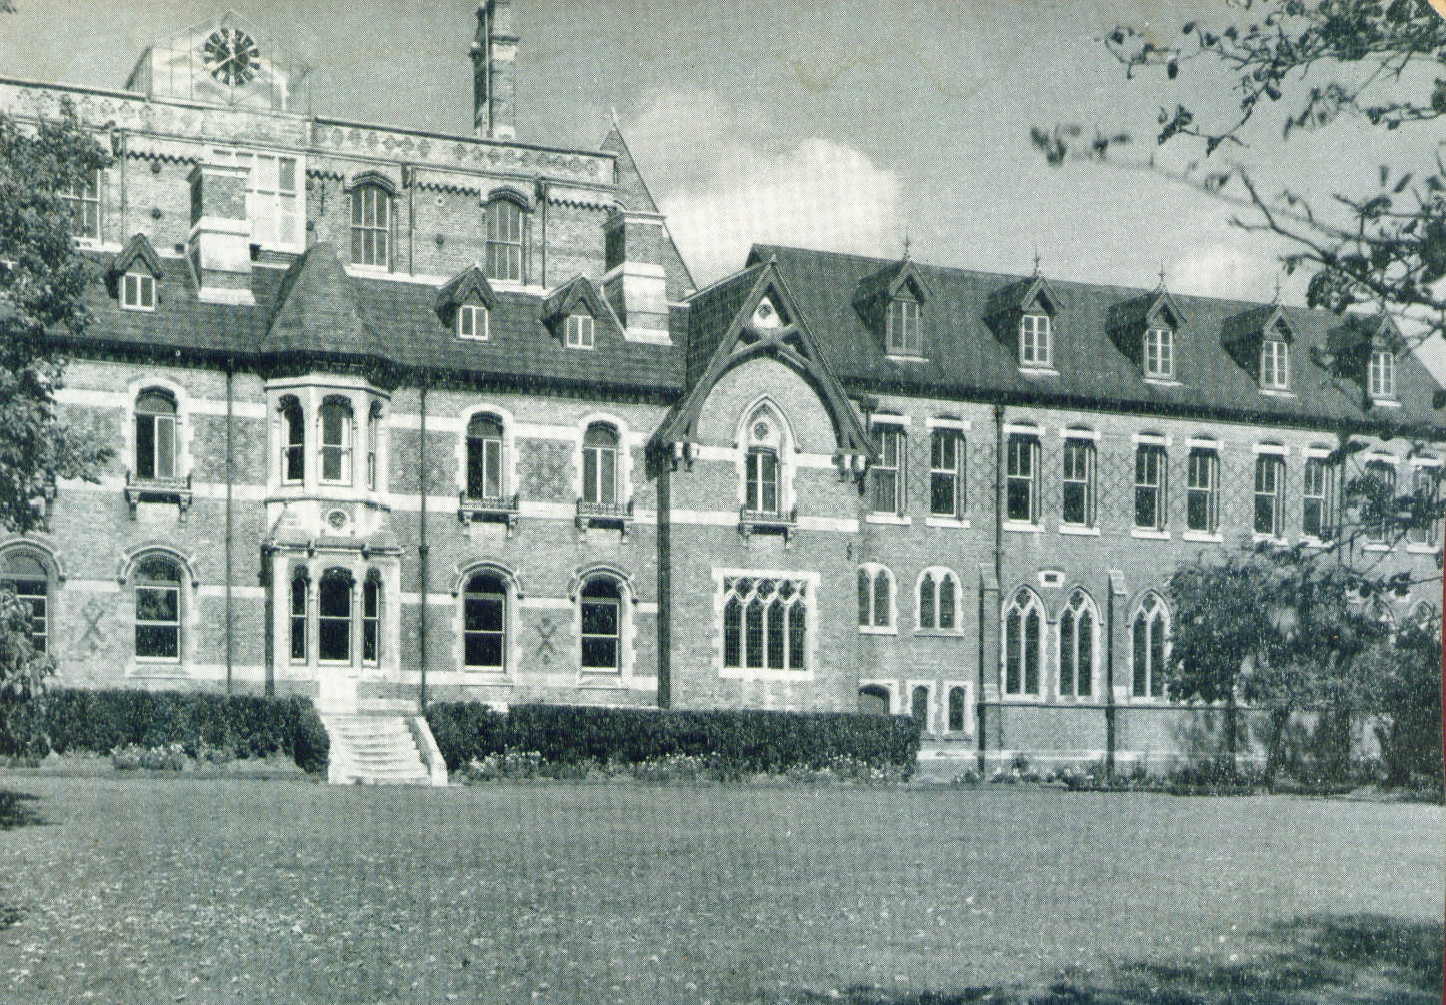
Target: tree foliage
[1381, 62]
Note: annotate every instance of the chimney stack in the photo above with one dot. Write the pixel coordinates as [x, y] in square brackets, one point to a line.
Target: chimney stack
[494, 53]
[220, 239]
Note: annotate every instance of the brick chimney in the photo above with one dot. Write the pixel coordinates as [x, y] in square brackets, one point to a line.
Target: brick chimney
[220, 240]
[635, 282]
[494, 102]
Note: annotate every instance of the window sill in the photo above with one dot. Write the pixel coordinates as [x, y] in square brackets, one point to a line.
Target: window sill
[892, 519]
[1277, 392]
[1162, 381]
[947, 521]
[737, 673]
[938, 633]
[1314, 542]
[1078, 530]
[1203, 537]
[1023, 528]
[875, 630]
[1258, 538]
[497, 676]
[1149, 534]
[898, 357]
[1038, 371]
[1385, 403]
[1376, 546]
[1421, 549]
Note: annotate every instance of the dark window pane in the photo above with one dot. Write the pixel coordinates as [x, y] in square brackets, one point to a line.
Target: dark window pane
[482, 614]
[484, 650]
[956, 710]
[600, 618]
[1031, 652]
[732, 629]
[796, 629]
[335, 639]
[600, 654]
[158, 641]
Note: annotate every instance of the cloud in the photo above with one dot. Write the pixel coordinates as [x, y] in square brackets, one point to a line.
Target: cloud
[725, 184]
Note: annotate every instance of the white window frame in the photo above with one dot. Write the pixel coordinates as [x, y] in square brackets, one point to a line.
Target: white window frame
[267, 206]
[374, 227]
[138, 291]
[1036, 334]
[580, 331]
[903, 333]
[507, 634]
[1209, 455]
[501, 461]
[159, 420]
[937, 436]
[1153, 676]
[1159, 354]
[804, 596]
[503, 251]
[1078, 603]
[895, 433]
[1316, 459]
[342, 450]
[1273, 461]
[1085, 444]
[1160, 485]
[1275, 364]
[1028, 441]
[597, 488]
[472, 322]
[181, 602]
[1381, 372]
[1030, 604]
[84, 201]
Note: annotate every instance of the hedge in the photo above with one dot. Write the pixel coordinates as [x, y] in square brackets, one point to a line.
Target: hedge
[246, 726]
[745, 741]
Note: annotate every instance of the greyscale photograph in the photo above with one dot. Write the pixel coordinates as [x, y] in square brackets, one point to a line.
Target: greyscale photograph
[888, 502]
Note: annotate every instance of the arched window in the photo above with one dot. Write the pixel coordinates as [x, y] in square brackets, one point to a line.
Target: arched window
[763, 472]
[938, 600]
[333, 616]
[1077, 649]
[874, 699]
[919, 706]
[300, 585]
[765, 623]
[601, 625]
[1023, 630]
[504, 240]
[293, 447]
[484, 457]
[336, 423]
[158, 609]
[876, 597]
[371, 617]
[600, 464]
[155, 435]
[26, 576]
[957, 703]
[371, 226]
[374, 422]
[1149, 633]
[484, 622]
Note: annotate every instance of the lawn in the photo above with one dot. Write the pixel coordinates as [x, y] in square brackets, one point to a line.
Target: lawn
[200, 891]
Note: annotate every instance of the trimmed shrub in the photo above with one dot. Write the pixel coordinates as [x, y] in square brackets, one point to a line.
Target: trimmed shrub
[733, 742]
[245, 726]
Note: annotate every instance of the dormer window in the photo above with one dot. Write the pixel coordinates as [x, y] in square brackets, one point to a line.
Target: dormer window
[138, 292]
[1159, 353]
[1381, 376]
[579, 331]
[903, 326]
[471, 322]
[1274, 363]
[1034, 341]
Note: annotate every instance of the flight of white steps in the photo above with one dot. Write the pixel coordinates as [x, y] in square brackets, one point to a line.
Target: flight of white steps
[380, 747]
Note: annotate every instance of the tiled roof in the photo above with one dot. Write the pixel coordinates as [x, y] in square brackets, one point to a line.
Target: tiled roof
[966, 358]
[710, 311]
[316, 307]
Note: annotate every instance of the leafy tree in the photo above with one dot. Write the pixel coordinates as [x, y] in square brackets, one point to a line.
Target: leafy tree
[1402, 681]
[1380, 62]
[42, 279]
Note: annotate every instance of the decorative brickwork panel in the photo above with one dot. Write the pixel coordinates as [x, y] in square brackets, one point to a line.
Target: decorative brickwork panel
[544, 468]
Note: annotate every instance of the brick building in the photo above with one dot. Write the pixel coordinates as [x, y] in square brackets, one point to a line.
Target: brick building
[397, 411]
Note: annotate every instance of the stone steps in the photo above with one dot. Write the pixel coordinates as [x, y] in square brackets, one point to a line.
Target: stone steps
[382, 749]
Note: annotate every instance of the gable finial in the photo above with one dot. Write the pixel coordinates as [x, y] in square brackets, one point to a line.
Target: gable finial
[1162, 273]
[906, 245]
[1277, 289]
[1036, 260]
[613, 116]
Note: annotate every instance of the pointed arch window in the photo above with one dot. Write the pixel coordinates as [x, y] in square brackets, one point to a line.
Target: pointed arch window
[1077, 648]
[371, 226]
[371, 617]
[504, 240]
[958, 703]
[938, 600]
[484, 457]
[158, 609]
[300, 588]
[333, 616]
[293, 447]
[484, 622]
[26, 575]
[601, 610]
[1023, 632]
[336, 432]
[876, 598]
[1149, 636]
[155, 435]
[765, 623]
[600, 464]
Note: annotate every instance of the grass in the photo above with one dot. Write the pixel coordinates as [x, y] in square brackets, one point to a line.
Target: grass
[228, 890]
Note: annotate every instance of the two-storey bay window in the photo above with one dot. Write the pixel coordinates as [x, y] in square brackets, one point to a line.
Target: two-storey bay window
[1034, 341]
[1202, 490]
[600, 464]
[484, 457]
[1150, 486]
[1270, 495]
[1318, 499]
[1159, 353]
[946, 473]
[1381, 378]
[765, 623]
[336, 433]
[1021, 478]
[1079, 482]
[155, 435]
[886, 477]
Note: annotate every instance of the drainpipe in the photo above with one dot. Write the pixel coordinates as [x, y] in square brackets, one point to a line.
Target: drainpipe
[409, 179]
[999, 486]
[230, 480]
[541, 189]
[1110, 711]
[422, 551]
[268, 637]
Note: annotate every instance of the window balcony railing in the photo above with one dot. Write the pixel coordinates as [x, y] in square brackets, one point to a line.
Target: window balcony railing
[752, 522]
[611, 515]
[176, 490]
[498, 509]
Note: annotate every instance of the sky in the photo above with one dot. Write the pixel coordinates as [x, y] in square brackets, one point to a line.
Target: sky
[845, 125]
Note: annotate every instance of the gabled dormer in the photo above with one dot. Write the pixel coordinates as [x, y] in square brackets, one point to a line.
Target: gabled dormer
[465, 304]
[1023, 316]
[134, 276]
[1261, 340]
[892, 303]
[1365, 349]
[575, 311]
[1147, 329]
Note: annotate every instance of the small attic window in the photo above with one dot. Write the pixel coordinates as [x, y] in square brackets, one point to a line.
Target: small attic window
[903, 325]
[579, 331]
[1381, 374]
[766, 316]
[1159, 355]
[138, 292]
[471, 322]
[1274, 362]
[1034, 340]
